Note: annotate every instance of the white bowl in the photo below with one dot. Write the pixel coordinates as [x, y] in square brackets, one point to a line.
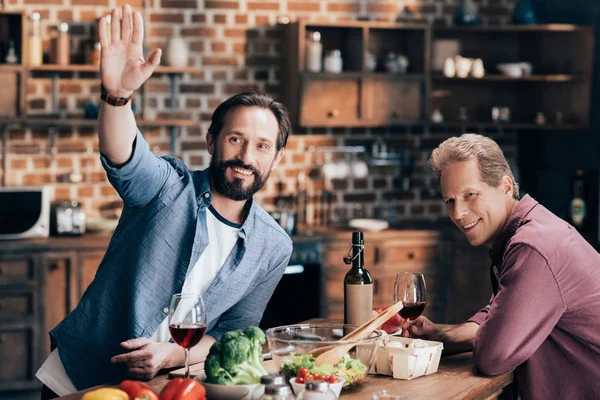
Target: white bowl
[515, 70]
[336, 388]
[367, 224]
[229, 392]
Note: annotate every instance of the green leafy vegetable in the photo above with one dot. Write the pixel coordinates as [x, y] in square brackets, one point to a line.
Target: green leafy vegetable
[236, 359]
[349, 369]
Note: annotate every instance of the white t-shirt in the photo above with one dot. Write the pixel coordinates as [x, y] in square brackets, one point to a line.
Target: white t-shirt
[223, 235]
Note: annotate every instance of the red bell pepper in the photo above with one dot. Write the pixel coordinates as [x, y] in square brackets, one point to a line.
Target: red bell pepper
[138, 390]
[183, 389]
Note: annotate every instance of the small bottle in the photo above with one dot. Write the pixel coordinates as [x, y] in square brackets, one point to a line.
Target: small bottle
[358, 285]
[577, 211]
[314, 52]
[35, 41]
[267, 380]
[61, 45]
[316, 390]
[277, 392]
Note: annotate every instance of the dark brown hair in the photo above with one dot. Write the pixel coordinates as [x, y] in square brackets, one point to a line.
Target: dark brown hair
[252, 99]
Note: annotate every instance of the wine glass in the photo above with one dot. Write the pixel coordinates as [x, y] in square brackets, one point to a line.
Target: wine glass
[410, 289]
[187, 322]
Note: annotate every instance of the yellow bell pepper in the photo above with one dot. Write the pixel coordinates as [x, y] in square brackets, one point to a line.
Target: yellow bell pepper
[106, 394]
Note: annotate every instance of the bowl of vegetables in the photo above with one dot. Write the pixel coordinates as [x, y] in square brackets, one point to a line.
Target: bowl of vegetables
[295, 347]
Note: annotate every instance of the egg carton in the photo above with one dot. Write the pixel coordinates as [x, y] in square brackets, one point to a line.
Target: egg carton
[404, 358]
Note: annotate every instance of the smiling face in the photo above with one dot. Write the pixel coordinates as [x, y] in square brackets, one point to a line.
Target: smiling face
[479, 210]
[244, 152]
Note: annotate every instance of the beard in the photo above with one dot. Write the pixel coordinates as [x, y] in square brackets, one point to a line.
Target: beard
[234, 189]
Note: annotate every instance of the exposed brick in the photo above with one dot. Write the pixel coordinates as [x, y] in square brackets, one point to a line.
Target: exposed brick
[197, 46]
[192, 103]
[495, 11]
[135, 4]
[197, 88]
[359, 197]
[64, 15]
[303, 6]
[235, 33]
[18, 164]
[388, 8]
[193, 145]
[62, 193]
[220, 75]
[241, 19]
[85, 191]
[88, 16]
[239, 48]
[196, 160]
[219, 61]
[69, 87]
[107, 190]
[38, 178]
[220, 19]
[199, 32]
[261, 5]
[417, 209]
[37, 104]
[103, 3]
[233, 89]
[262, 20]
[179, 4]
[262, 60]
[161, 31]
[64, 163]
[421, 8]
[38, 2]
[199, 18]
[172, 18]
[343, 7]
[218, 47]
[230, 5]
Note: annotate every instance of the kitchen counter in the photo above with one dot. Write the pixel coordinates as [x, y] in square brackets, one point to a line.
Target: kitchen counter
[456, 378]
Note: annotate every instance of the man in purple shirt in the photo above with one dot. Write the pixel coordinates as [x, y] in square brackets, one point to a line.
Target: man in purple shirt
[543, 321]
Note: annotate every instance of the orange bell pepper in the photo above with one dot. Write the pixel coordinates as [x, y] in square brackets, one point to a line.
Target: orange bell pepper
[138, 390]
[183, 389]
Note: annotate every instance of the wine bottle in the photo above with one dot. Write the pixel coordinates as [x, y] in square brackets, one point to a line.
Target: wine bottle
[358, 285]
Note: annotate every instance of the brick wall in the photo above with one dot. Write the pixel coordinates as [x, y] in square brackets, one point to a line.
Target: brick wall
[236, 45]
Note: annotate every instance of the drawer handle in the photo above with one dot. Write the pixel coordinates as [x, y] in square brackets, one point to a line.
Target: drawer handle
[395, 114]
[334, 113]
[52, 267]
[411, 255]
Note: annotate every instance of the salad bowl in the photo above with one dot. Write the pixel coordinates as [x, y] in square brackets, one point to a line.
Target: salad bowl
[296, 346]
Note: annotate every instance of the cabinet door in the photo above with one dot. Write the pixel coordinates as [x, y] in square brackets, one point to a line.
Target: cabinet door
[60, 290]
[18, 358]
[390, 101]
[88, 264]
[17, 269]
[330, 102]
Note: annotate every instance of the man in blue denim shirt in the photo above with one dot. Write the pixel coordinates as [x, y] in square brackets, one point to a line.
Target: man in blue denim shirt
[163, 232]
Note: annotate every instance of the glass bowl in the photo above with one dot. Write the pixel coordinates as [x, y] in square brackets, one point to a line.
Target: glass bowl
[290, 346]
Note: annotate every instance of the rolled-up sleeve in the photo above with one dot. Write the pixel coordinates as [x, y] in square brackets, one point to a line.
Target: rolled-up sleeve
[523, 313]
[249, 310]
[139, 180]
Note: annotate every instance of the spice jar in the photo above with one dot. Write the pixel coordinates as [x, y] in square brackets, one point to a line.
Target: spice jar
[265, 381]
[333, 61]
[61, 47]
[277, 392]
[35, 41]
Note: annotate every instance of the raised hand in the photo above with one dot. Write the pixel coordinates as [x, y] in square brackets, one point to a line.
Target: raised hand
[122, 66]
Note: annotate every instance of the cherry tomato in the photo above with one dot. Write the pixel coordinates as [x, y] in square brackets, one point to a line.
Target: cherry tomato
[309, 377]
[332, 379]
[317, 377]
[299, 379]
[302, 372]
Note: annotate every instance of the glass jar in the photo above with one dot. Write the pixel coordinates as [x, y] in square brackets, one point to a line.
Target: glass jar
[316, 390]
[277, 392]
[314, 52]
[267, 380]
[333, 61]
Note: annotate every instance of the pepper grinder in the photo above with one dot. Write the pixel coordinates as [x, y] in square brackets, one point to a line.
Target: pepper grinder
[35, 41]
[61, 45]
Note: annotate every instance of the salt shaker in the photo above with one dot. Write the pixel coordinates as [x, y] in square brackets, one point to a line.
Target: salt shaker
[314, 52]
[333, 61]
[316, 390]
[277, 392]
[35, 41]
[61, 46]
[265, 381]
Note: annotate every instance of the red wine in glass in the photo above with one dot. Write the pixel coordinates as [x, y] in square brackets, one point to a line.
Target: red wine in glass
[187, 335]
[187, 322]
[412, 311]
[409, 288]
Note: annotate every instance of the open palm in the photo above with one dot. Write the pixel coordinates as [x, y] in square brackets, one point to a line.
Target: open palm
[122, 66]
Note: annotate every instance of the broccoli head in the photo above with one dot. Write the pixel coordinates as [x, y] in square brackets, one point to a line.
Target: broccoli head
[236, 359]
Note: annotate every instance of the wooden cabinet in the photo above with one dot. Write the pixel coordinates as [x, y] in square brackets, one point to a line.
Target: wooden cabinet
[358, 96]
[41, 281]
[386, 254]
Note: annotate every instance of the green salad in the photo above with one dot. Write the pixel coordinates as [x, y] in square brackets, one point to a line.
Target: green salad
[349, 369]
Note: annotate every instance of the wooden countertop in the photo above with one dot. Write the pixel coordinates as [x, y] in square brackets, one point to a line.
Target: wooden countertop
[456, 378]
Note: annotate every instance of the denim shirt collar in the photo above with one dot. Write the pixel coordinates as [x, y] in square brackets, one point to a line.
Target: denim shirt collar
[204, 198]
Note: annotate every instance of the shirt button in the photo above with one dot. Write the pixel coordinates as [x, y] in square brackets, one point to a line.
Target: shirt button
[206, 195]
[166, 310]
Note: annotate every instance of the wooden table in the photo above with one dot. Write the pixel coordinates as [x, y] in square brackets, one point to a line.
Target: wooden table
[456, 378]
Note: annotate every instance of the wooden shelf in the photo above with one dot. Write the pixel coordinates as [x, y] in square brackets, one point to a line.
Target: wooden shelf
[12, 67]
[516, 28]
[95, 68]
[558, 78]
[359, 74]
[35, 121]
[369, 24]
[509, 125]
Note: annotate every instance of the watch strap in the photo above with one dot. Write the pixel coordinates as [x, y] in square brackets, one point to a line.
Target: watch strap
[111, 99]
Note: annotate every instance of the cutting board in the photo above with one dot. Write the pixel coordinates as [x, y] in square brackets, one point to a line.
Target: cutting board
[198, 370]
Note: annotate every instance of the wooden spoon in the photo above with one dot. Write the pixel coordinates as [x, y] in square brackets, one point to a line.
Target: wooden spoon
[333, 354]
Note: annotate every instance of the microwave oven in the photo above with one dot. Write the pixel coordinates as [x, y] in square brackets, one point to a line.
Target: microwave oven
[24, 212]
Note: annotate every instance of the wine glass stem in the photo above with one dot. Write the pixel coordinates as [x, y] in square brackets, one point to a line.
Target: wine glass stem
[408, 329]
[187, 363]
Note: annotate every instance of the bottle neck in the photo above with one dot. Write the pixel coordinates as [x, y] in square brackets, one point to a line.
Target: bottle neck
[358, 256]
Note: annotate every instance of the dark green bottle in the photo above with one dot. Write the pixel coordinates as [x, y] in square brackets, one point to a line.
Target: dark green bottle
[358, 285]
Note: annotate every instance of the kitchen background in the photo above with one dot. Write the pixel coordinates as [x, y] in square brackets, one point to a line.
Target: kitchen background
[239, 45]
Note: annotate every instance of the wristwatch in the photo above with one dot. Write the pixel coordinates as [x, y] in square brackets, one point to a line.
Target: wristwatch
[111, 99]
